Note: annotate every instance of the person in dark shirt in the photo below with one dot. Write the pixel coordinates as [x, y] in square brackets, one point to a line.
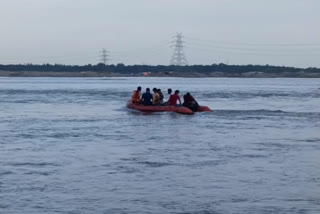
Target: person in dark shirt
[190, 102]
[147, 98]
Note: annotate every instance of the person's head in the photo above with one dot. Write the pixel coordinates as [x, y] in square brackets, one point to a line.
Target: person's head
[159, 90]
[139, 88]
[188, 94]
[176, 91]
[154, 89]
[148, 90]
[169, 91]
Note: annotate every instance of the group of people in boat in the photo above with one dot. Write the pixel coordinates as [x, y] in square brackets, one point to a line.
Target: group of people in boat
[157, 98]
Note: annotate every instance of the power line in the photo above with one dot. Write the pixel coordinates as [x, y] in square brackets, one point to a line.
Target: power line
[231, 48]
[255, 44]
[252, 53]
[178, 57]
[273, 49]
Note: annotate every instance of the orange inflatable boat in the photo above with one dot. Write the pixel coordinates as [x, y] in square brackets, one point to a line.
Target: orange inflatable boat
[178, 109]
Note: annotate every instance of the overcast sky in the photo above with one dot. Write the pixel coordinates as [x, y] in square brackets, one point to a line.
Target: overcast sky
[275, 32]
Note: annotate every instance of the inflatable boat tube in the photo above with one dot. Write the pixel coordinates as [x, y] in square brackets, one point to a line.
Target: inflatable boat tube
[178, 109]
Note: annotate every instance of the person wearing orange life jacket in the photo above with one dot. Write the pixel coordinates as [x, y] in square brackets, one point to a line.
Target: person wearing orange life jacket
[136, 96]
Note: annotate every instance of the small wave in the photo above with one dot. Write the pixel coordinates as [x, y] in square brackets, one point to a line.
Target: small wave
[261, 94]
[209, 211]
[117, 79]
[205, 163]
[64, 135]
[255, 156]
[47, 96]
[154, 164]
[6, 173]
[80, 120]
[248, 111]
[237, 200]
[129, 159]
[124, 169]
[296, 199]
[314, 140]
[41, 164]
[265, 112]
[249, 156]
[65, 92]
[38, 173]
[26, 136]
[276, 146]
[122, 109]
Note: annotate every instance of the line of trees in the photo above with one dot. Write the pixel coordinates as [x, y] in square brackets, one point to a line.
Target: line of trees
[121, 68]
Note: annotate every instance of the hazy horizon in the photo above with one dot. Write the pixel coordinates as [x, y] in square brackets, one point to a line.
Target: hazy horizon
[282, 33]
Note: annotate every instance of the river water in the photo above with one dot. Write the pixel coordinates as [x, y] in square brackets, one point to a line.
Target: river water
[70, 145]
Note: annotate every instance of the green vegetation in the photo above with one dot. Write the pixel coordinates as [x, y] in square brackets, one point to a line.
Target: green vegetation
[202, 70]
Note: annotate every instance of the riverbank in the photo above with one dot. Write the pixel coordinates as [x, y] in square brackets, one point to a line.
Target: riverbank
[251, 74]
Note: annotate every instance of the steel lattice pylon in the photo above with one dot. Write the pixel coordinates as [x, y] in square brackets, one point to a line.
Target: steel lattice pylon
[178, 57]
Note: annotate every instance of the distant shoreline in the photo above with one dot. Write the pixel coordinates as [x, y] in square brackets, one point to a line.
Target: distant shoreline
[121, 70]
[251, 74]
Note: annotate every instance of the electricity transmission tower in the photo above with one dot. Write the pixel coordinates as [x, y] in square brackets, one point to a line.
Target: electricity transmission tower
[178, 57]
[104, 56]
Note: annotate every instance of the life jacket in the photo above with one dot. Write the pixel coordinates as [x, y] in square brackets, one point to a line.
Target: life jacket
[136, 96]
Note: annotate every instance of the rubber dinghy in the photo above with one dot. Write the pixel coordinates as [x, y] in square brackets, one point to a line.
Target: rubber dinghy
[178, 109]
